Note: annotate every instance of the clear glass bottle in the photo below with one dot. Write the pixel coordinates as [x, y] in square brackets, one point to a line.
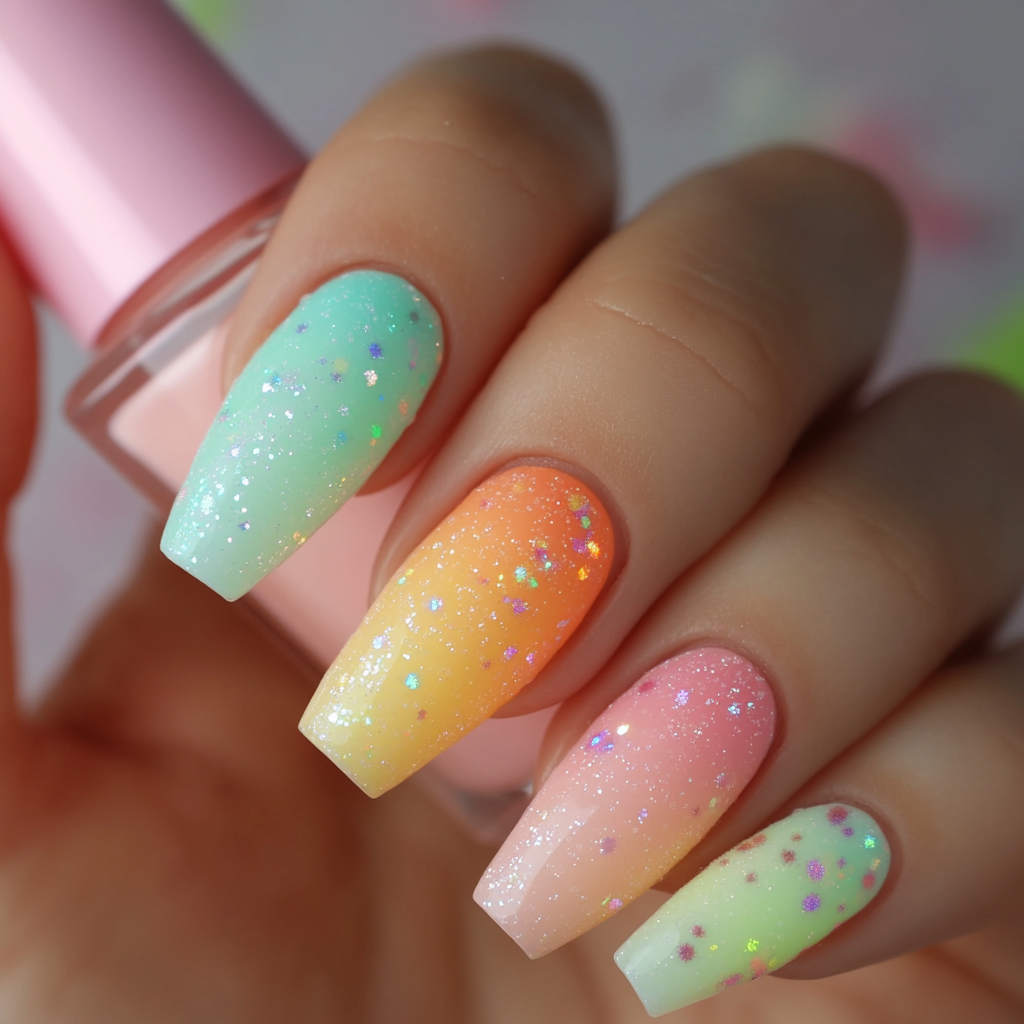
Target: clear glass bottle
[139, 183]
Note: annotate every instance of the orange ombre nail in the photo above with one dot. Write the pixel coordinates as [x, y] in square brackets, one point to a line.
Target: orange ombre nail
[474, 614]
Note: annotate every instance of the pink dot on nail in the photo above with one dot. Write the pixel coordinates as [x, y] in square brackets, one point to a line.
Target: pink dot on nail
[686, 952]
[752, 877]
[647, 686]
[788, 856]
[868, 881]
[815, 870]
[733, 979]
[837, 815]
[847, 831]
[608, 844]
[698, 931]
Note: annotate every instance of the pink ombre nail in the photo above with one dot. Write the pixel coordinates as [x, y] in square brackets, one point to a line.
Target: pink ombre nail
[644, 784]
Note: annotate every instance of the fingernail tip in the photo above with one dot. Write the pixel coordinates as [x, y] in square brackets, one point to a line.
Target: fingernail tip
[229, 594]
[371, 788]
[229, 590]
[649, 1003]
[532, 949]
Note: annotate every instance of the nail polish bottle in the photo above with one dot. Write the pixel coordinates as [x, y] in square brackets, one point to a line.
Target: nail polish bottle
[139, 183]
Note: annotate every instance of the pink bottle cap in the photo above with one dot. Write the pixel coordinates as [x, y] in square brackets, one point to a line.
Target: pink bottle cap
[122, 140]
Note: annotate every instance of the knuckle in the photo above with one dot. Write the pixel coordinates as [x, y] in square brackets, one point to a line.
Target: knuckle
[887, 543]
[710, 321]
[508, 109]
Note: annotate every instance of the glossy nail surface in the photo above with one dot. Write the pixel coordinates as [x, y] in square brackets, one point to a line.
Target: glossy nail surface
[473, 615]
[311, 416]
[646, 781]
[757, 907]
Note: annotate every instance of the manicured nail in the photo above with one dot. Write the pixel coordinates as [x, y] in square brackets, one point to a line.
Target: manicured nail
[311, 416]
[648, 779]
[758, 907]
[475, 613]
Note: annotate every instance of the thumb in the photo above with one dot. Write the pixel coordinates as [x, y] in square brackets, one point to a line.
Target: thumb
[18, 397]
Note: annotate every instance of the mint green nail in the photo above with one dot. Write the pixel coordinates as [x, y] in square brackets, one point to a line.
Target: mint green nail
[310, 417]
[758, 907]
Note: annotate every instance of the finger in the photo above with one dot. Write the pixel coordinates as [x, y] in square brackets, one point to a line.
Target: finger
[937, 777]
[872, 559]
[673, 371]
[18, 396]
[645, 408]
[415, 247]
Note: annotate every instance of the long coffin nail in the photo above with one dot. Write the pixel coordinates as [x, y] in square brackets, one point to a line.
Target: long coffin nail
[474, 614]
[757, 907]
[310, 417]
[648, 779]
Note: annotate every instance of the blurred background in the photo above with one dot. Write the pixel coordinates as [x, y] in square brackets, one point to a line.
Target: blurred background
[926, 92]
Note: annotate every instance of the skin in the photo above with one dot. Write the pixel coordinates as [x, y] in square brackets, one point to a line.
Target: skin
[172, 849]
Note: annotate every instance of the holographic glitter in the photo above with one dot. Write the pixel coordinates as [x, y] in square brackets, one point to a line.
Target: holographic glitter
[470, 631]
[637, 785]
[755, 929]
[279, 432]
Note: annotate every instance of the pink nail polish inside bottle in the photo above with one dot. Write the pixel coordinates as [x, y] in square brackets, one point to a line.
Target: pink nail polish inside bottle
[139, 183]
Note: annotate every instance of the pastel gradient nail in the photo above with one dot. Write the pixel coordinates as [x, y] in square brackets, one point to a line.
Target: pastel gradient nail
[758, 907]
[647, 780]
[311, 416]
[475, 613]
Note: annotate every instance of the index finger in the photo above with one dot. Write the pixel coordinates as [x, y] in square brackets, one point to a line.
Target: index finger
[414, 249]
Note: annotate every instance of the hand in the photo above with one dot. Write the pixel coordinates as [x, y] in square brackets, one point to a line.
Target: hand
[176, 851]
